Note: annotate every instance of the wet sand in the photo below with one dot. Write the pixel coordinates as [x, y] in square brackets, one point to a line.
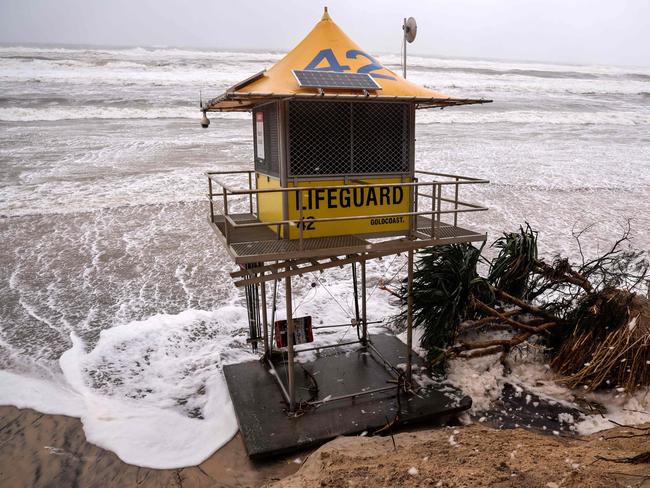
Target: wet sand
[40, 450]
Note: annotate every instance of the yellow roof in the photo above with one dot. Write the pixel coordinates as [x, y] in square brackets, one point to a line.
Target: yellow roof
[327, 48]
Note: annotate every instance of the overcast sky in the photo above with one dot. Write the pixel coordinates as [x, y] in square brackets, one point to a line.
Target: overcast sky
[582, 31]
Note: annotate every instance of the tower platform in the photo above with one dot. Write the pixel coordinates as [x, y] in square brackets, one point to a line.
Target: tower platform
[268, 430]
[261, 244]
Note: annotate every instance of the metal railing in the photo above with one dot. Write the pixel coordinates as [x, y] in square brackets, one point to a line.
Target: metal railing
[226, 193]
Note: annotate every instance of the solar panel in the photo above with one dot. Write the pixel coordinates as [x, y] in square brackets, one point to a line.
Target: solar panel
[334, 79]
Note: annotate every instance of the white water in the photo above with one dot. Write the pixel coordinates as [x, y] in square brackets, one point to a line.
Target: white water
[483, 379]
[139, 401]
[116, 305]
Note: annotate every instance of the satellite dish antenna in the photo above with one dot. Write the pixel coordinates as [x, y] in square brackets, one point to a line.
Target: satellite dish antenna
[410, 28]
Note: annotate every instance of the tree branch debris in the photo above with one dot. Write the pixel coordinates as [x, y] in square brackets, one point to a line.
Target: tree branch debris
[590, 316]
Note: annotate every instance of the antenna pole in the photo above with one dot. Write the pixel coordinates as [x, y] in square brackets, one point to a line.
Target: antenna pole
[404, 49]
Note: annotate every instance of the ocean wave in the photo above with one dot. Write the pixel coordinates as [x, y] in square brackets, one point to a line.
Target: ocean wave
[450, 116]
[84, 67]
[21, 114]
[533, 89]
[529, 69]
[53, 53]
[217, 76]
[121, 64]
[170, 56]
[85, 101]
[536, 73]
[532, 117]
[518, 72]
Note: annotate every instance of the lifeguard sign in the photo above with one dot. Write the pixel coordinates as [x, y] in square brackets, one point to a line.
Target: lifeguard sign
[330, 118]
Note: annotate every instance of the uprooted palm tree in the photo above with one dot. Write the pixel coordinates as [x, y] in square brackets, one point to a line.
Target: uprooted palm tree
[595, 327]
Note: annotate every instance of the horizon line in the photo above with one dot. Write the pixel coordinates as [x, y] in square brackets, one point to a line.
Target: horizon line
[284, 51]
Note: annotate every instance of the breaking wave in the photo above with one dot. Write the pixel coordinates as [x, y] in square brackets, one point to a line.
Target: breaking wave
[20, 114]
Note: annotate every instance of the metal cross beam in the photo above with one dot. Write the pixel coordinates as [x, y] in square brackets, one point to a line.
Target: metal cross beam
[259, 274]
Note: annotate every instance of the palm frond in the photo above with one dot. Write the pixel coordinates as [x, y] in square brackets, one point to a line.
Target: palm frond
[443, 283]
[511, 269]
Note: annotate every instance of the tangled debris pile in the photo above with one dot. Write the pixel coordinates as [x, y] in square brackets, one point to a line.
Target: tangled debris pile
[615, 355]
[589, 317]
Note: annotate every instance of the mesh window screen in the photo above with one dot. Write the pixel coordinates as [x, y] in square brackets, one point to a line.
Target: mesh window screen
[270, 165]
[334, 138]
[319, 138]
[380, 134]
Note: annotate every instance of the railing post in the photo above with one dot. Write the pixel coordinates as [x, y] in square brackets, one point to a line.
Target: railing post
[456, 203]
[301, 222]
[250, 195]
[417, 195]
[225, 215]
[433, 211]
[439, 216]
[413, 219]
[210, 197]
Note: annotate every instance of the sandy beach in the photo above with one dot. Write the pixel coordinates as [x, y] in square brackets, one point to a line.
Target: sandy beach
[41, 450]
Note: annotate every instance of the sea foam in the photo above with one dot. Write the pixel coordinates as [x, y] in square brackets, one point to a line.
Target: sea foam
[151, 391]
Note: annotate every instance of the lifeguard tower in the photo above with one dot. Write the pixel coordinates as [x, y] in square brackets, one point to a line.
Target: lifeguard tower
[333, 184]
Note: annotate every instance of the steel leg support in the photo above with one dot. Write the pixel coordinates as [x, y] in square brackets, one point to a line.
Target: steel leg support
[364, 316]
[290, 351]
[409, 319]
[265, 322]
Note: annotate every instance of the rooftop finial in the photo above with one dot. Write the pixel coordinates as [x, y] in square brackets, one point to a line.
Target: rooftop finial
[326, 15]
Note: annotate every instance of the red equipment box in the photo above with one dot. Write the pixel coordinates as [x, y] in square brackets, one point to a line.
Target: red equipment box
[302, 332]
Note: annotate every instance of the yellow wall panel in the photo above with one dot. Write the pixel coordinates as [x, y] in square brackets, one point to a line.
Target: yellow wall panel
[269, 204]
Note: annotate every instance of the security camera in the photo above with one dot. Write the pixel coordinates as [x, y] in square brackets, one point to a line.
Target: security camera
[205, 121]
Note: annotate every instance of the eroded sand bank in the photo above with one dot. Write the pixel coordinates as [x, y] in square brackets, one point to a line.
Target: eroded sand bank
[474, 456]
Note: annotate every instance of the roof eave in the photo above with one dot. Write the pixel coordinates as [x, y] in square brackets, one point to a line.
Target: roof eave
[248, 100]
